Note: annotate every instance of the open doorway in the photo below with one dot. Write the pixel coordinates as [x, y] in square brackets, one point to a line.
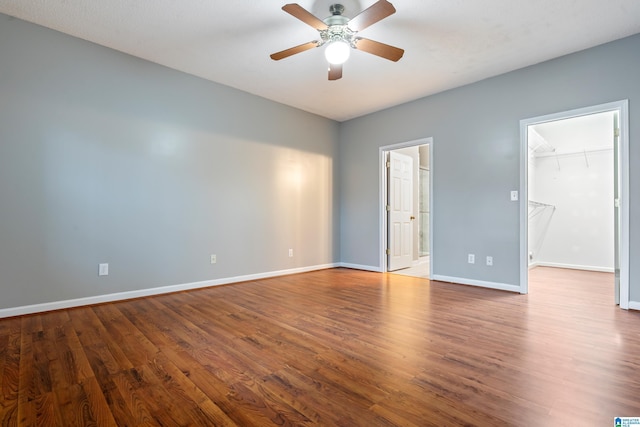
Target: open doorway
[575, 184]
[406, 198]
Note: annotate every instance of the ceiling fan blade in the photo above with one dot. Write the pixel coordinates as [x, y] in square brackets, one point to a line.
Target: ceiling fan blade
[374, 13]
[335, 71]
[379, 49]
[293, 50]
[297, 11]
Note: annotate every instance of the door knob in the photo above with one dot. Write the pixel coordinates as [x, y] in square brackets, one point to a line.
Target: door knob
[412, 217]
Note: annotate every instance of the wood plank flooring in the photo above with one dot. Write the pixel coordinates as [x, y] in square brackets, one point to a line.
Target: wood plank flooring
[336, 348]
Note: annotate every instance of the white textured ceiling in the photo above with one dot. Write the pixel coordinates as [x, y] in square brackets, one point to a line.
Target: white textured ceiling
[448, 43]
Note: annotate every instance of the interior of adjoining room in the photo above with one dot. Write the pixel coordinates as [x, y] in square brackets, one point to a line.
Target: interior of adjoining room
[574, 185]
[571, 193]
[411, 235]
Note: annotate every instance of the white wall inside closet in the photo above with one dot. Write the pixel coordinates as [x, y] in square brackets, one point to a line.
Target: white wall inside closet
[571, 192]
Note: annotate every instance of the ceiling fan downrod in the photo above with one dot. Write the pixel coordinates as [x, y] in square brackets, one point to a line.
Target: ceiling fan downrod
[336, 9]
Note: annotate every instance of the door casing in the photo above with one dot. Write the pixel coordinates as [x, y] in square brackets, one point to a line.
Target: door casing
[622, 107]
[383, 198]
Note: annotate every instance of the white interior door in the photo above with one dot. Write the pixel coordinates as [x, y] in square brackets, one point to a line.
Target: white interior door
[401, 216]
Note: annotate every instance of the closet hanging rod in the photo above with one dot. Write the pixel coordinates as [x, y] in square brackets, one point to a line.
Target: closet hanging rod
[575, 152]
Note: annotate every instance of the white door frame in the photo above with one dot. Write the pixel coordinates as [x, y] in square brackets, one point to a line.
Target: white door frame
[623, 164]
[383, 198]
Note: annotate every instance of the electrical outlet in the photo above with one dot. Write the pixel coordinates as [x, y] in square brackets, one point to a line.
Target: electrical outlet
[290, 253]
[214, 259]
[103, 269]
[490, 261]
[471, 259]
[514, 196]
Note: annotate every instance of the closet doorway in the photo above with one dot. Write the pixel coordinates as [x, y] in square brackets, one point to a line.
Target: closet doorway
[575, 182]
[405, 208]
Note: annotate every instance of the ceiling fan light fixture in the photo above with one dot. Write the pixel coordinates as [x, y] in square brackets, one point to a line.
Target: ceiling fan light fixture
[338, 34]
[337, 52]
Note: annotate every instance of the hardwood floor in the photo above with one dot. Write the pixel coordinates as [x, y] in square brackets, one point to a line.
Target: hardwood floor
[334, 347]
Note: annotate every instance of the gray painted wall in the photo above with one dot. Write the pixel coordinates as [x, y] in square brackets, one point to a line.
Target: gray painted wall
[476, 158]
[109, 158]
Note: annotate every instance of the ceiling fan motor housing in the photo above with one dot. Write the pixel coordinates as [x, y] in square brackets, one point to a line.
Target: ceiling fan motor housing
[337, 27]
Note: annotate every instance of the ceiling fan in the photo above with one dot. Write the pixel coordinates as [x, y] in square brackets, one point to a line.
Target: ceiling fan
[339, 34]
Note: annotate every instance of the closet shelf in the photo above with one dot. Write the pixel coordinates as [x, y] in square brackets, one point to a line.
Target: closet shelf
[538, 204]
[537, 208]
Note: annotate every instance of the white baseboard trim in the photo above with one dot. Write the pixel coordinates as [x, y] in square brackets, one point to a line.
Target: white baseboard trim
[120, 296]
[634, 305]
[575, 267]
[480, 283]
[360, 267]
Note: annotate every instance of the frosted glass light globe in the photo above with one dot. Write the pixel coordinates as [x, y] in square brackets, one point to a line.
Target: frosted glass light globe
[337, 52]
